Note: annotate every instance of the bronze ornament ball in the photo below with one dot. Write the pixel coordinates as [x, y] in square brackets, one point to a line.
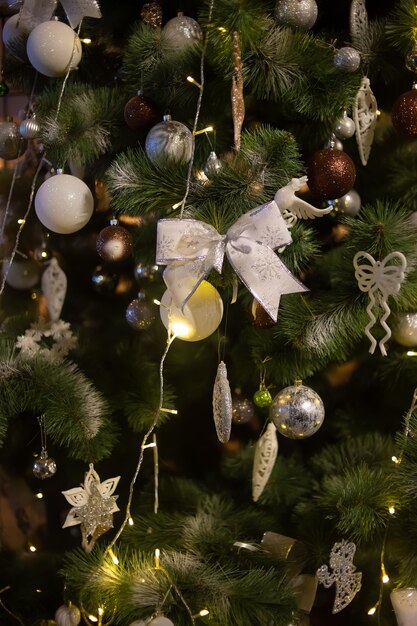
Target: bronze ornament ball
[140, 113]
[404, 114]
[114, 243]
[331, 173]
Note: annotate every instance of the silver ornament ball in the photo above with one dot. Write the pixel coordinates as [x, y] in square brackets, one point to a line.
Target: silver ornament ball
[67, 615]
[44, 466]
[243, 410]
[334, 142]
[169, 140]
[29, 129]
[296, 13]
[405, 332]
[344, 127]
[22, 274]
[347, 59]
[140, 314]
[181, 32]
[146, 272]
[297, 411]
[349, 204]
[10, 141]
[213, 164]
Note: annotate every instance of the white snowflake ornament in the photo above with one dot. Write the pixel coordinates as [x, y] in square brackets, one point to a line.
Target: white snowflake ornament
[93, 505]
[51, 340]
[348, 581]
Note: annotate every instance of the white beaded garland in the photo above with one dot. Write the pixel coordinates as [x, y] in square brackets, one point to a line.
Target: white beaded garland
[64, 204]
[53, 48]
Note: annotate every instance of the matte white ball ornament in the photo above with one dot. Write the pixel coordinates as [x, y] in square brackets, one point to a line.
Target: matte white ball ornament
[64, 204]
[68, 615]
[53, 48]
[181, 32]
[199, 318]
[22, 274]
[160, 620]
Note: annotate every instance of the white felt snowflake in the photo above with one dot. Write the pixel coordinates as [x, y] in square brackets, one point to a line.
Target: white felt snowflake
[52, 340]
[93, 506]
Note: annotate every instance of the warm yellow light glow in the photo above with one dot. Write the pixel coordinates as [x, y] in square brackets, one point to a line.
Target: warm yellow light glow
[175, 206]
[21, 221]
[395, 459]
[411, 353]
[39, 495]
[208, 129]
[157, 555]
[180, 329]
[130, 521]
[38, 590]
[114, 557]
[378, 112]
[100, 611]
[385, 579]
[157, 302]
[172, 411]
[372, 611]
[204, 612]
[392, 510]
[32, 548]
[222, 29]
[87, 40]
[92, 618]
[193, 81]
[34, 295]
[149, 445]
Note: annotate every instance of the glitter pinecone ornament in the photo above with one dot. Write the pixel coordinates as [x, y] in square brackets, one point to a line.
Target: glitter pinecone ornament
[331, 173]
[404, 113]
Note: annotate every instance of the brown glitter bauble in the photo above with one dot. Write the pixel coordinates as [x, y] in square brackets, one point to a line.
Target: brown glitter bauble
[114, 243]
[331, 173]
[258, 316]
[141, 113]
[151, 14]
[404, 114]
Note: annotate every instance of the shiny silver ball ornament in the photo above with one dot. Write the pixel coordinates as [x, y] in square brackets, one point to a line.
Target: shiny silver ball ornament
[405, 332]
[181, 32]
[334, 142]
[296, 13]
[44, 466]
[349, 204]
[169, 140]
[67, 615]
[213, 164]
[30, 129]
[297, 411]
[347, 59]
[11, 143]
[243, 410]
[145, 272]
[140, 314]
[344, 127]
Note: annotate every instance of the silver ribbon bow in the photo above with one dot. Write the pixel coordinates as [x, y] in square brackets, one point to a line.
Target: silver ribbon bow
[33, 12]
[191, 249]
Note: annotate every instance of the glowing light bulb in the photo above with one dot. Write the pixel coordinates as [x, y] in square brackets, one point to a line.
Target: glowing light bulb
[130, 521]
[204, 612]
[86, 40]
[385, 579]
[114, 557]
[39, 495]
[157, 555]
[92, 618]
[181, 329]
[372, 611]
[100, 611]
[32, 548]
[392, 510]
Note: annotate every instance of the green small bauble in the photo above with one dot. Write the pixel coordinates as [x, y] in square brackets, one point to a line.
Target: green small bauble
[262, 398]
[4, 90]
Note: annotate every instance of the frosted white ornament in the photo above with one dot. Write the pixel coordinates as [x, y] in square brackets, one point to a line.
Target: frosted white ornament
[344, 576]
[21, 274]
[181, 32]
[54, 288]
[266, 451]
[64, 204]
[379, 279]
[222, 404]
[13, 32]
[161, 620]
[404, 602]
[198, 319]
[365, 115]
[53, 48]
[292, 207]
[68, 615]
[405, 332]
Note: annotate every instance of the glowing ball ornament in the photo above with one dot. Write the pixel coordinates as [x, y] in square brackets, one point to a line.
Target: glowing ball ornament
[54, 48]
[405, 332]
[64, 204]
[68, 615]
[297, 411]
[199, 318]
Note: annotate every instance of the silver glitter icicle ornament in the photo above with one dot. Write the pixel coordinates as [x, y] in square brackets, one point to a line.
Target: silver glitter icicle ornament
[297, 411]
[169, 140]
[296, 13]
[222, 404]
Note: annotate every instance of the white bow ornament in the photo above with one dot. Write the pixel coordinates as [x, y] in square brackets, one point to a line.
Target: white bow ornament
[191, 249]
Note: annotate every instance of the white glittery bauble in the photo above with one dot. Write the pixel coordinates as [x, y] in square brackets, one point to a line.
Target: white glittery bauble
[199, 318]
[405, 332]
[344, 127]
[67, 615]
[181, 31]
[161, 621]
[347, 59]
[349, 204]
[296, 13]
[53, 48]
[64, 204]
[169, 140]
[297, 412]
[22, 274]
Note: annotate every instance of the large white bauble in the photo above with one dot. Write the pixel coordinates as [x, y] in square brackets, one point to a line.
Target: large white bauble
[64, 204]
[23, 274]
[161, 621]
[12, 33]
[181, 32]
[405, 332]
[53, 48]
[67, 615]
[200, 317]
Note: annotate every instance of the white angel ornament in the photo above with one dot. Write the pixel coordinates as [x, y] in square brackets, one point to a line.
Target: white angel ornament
[294, 208]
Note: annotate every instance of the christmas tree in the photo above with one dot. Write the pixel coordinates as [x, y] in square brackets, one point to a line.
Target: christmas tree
[208, 253]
